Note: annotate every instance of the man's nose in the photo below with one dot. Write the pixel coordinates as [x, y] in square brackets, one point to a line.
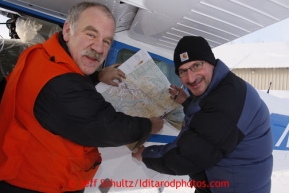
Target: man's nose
[98, 46]
[191, 76]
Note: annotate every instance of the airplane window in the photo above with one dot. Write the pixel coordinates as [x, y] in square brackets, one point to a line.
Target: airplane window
[167, 69]
[123, 55]
[169, 72]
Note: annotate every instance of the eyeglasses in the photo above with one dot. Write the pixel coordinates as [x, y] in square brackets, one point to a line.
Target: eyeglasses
[194, 68]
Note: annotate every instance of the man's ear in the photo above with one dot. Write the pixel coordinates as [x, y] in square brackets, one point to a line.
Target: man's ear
[66, 31]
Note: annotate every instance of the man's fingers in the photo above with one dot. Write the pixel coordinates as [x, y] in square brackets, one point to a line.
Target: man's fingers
[121, 73]
[173, 92]
[118, 78]
[115, 65]
[113, 83]
[174, 87]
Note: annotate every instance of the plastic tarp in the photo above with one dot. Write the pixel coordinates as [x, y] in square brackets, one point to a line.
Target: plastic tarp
[10, 49]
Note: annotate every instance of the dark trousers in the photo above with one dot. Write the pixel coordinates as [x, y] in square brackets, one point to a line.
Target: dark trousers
[8, 188]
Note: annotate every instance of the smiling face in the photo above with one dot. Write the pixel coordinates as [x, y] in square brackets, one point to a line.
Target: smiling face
[91, 39]
[197, 82]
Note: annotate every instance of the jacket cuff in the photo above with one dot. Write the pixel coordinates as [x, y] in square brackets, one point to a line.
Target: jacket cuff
[146, 128]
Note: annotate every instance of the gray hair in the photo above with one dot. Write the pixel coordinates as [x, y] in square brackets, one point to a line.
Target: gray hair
[77, 9]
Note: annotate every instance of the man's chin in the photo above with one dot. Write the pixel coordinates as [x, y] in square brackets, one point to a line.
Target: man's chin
[197, 92]
[88, 71]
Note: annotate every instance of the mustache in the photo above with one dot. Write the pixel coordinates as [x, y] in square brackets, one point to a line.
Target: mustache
[92, 54]
[196, 81]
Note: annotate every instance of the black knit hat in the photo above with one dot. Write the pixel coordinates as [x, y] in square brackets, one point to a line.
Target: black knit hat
[191, 48]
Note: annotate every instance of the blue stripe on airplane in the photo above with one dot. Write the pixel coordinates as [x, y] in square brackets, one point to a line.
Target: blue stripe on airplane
[280, 128]
[157, 138]
[29, 11]
[279, 125]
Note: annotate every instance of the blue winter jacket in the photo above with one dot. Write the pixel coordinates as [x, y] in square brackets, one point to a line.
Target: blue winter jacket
[226, 142]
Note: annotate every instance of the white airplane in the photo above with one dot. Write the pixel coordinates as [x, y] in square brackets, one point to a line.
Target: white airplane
[156, 26]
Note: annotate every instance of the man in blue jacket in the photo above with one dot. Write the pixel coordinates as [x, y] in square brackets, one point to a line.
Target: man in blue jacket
[226, 135]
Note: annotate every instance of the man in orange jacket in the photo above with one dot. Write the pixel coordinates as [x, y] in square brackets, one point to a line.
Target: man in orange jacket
[52, 118]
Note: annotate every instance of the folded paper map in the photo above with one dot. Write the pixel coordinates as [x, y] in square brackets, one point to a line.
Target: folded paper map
[144, 92]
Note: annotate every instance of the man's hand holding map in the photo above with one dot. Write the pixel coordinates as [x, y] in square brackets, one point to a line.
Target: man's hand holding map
[143, 93]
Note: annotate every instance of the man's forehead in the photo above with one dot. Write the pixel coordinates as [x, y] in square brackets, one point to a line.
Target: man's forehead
[188, 64]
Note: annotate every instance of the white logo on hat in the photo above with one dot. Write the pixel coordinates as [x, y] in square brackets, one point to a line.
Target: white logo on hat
[184, 56]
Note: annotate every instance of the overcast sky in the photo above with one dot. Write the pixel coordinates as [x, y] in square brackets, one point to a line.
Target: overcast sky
[278, 32]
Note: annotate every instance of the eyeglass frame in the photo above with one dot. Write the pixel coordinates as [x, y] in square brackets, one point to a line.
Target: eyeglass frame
[185, 71]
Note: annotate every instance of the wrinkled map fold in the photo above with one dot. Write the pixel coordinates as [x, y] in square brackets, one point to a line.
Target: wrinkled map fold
[144, 92]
